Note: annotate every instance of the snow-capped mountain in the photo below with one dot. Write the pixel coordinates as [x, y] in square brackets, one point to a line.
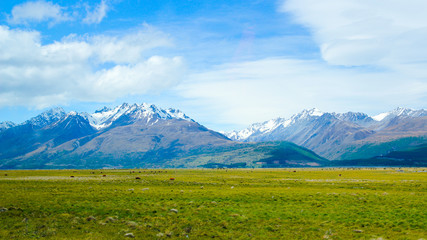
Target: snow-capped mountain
[106, 116]
[262, 131]
[46, 118]
[314, 114]
[128, 133]
[400, 112]
[328, 133]
[5, 125]
[355, 117]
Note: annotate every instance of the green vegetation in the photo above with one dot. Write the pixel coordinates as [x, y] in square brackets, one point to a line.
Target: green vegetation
[418, 153]
[262, 154]
[231, 154]
[412, 157]
[225, 204]
[367, 150]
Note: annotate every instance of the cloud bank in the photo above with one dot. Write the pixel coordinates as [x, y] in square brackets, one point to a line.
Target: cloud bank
[96, 68]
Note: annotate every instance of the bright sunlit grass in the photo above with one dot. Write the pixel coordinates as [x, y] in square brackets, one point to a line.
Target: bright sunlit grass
[225, 204]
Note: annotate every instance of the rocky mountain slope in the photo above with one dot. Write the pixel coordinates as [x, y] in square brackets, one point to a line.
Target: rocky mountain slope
[343, 135]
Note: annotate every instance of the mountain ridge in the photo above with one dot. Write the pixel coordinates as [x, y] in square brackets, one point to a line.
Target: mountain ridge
[329, 134]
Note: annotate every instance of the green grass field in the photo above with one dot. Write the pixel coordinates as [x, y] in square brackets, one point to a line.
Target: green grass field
[224, 204]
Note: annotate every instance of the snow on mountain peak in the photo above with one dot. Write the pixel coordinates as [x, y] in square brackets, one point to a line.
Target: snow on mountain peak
[273, 124]
[5, 125]
[409, 112]
[401, 112]
[176, 113]
[354, 117]
[315, 112]
[306, 113]
[47, 117]
[380, 116]
[104, 117]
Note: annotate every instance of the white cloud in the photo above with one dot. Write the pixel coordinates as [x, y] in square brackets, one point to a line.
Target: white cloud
[37, 11]
[239, 94]
[354, 33]
[98, 13]
[37, 75]
[128, 48]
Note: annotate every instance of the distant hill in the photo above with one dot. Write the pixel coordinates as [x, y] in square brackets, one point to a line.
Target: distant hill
[129, 136]
[265, 154]
[413, 157]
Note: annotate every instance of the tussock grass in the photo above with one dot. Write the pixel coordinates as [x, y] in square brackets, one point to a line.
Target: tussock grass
[226, 204]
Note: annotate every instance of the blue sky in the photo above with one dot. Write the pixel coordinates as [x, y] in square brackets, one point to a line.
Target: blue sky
[224, 63]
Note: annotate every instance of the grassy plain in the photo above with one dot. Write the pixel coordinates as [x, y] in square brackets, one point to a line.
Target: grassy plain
[224, 204]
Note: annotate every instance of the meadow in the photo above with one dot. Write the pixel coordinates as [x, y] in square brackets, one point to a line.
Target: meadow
[382, 203]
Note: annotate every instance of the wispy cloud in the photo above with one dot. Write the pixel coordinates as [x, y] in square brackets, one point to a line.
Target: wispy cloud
[46, 11]
[37, 11]
[355, 33]
[97, 14]
[95, 68]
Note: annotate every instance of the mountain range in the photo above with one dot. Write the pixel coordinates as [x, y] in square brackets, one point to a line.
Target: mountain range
[143, 135]
[339, 136]
[138, 135]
